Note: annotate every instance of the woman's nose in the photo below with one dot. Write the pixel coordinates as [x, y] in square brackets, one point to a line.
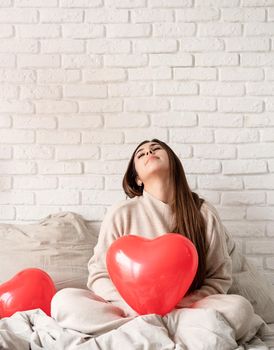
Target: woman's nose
[149, 152]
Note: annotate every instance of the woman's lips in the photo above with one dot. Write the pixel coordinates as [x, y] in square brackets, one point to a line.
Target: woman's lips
[151, 158]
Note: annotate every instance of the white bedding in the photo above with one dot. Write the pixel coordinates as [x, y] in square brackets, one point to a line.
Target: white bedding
[199, 329]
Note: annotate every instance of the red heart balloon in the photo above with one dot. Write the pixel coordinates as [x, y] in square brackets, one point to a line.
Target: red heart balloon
[29, 289]
[152, 275]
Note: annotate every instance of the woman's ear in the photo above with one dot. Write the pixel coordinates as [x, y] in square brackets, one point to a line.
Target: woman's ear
[138, 181]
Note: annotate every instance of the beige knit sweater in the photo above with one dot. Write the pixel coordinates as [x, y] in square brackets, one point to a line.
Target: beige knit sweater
[149, 217]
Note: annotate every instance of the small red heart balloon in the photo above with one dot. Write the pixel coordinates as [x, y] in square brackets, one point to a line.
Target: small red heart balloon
[152, 275]
[29, 289]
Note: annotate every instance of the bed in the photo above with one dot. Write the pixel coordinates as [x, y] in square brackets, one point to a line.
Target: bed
[61, 244]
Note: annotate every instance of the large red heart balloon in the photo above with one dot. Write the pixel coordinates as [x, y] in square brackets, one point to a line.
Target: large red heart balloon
[152, 275]
[29, 289]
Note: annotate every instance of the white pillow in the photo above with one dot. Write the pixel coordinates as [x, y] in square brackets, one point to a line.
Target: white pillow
[61, 244]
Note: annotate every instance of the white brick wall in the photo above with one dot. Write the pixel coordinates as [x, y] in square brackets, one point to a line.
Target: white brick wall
[82, 82]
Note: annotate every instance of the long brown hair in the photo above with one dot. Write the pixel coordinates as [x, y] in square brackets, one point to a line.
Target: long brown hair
[185, 206]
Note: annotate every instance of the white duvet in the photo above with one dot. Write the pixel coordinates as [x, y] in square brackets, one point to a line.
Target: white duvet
[192, 329]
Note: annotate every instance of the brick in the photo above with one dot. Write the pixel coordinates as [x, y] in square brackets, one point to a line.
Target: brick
[222, 89]
[211, 196]
[34, 182]
[169, 3]
[40, 61]
[33, 152]
[130, 89]
[5, 153]
[219, 29]
[155, 45]
[174, 119]
[232, 213]
[247, 44]
[240, 105]
[8, 91]
[201, 44]
[37, 92]
[270, 197]
[49, 167]
[95, 197]
[5, 3]
[80, 3]
[114, 182]
[128, 30]
[16, 136]
[33, 122]
[52, 106]
[107, 168]
[182, 151]
[231, 167]
[61, 16]
[239, 136]
[194, 104]
[174, 29]
[261, 120]
[149, 73]
[175, 88]
[270, 263]
[57, 197]
[243, 198]
[254, 29]
[245, 229]
[271, 165]
[256, 151]
[82, 31]
[35, 212]
[102, 137]
[76, 152]
[137, 136]
[241, 74]
[267, 135]
[38, 31]
[118, 152]
[101, 106]
[125, 3]
[171, 59]
[260, 89]
[14, 15]
[36, 3]
[107, 74]
[146, 104]
[258, 59]
[81, 182]
[254, 182]
[220, 120]
[126, 60]
[151, 15]
[58, 75]
[220, 182]
[17, 197]
[15, 106]
[269, 104]
[217, 3]
[5, 121]
[269, 229]
[191, 135]
[243, 15]
[219, 59]
[22, 167]
[5, 181]
[199, 166]
[258, 3]
[270, 13]
[57, 137]
[80, 122]
[81, 61]
[81, 91]
[6, 30]
[7, 213]
[19, 46]
[195, 73]
[106, 16]
[215, 151]
[17, 76]
[7, 60]
[62, 46]
[199, 14]
[127, 120]
[259, 246]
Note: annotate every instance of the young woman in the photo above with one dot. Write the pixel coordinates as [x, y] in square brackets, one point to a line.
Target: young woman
[160, 201]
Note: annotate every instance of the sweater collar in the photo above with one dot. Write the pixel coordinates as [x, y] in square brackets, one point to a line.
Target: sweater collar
[156, 200]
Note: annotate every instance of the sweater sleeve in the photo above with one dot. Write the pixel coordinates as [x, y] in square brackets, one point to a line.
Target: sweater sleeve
[219, 266]
[99, 281]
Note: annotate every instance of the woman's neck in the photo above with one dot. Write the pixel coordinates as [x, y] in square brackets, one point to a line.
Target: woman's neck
[160, 190]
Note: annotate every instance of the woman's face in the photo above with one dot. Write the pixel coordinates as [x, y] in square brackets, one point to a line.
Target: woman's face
[151, 159]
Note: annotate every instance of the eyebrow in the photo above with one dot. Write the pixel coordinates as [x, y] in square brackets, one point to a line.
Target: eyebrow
[153, 144]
